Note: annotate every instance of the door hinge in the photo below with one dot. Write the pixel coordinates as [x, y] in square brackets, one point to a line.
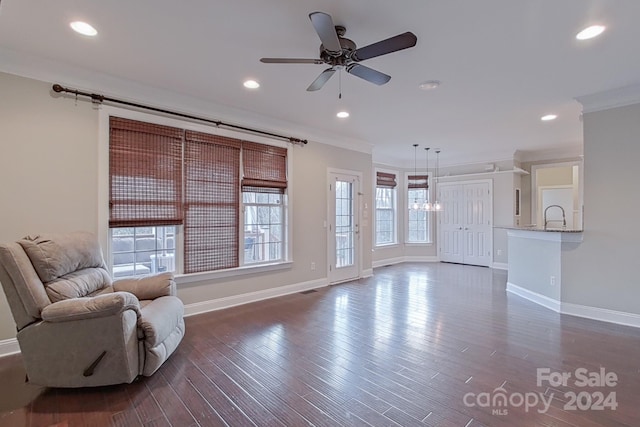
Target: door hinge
[330, 267]
[329, 187]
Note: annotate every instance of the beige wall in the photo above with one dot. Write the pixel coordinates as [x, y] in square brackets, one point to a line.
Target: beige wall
[560, 175]
[49, 183]
[602, 270]
[48, 179]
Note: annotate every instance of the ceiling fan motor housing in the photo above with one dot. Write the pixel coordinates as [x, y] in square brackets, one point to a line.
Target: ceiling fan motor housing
[340, 58]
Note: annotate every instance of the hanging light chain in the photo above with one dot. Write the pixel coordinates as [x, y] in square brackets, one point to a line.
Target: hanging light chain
[427, 204]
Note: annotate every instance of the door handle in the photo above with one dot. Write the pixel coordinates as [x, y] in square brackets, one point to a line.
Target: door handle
[459, 228]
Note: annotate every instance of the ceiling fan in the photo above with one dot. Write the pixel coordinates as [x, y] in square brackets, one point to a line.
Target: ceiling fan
[340, 52]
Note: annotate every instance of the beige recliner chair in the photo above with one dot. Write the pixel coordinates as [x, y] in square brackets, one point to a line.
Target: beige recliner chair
[75, 327]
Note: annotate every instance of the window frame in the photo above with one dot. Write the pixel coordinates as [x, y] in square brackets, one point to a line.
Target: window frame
[394, 208]
[429, 217]
[104, 231]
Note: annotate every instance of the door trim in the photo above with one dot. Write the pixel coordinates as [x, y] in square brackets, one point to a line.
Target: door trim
[358, 204]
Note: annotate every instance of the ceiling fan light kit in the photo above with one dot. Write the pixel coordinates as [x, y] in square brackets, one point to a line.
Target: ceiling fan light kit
[341, 53]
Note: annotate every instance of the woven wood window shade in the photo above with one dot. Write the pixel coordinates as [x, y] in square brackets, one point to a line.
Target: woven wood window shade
[384, 179]
[145, 171]
[212, 202]
[418, 181]
[264, 168]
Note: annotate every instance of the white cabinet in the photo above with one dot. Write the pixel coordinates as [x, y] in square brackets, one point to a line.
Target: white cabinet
[465, 223]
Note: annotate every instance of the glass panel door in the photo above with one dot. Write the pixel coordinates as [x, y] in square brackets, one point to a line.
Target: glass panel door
[343, 228]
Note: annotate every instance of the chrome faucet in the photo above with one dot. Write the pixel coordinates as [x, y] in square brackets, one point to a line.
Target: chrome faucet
[564, 219]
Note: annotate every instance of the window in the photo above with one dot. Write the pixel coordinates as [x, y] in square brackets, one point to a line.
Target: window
[418, 216]
[263, 227]
[385, 208]
[143, 250]
[166, 181]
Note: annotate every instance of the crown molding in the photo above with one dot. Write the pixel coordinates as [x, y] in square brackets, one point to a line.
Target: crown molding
[605, 100]
[557, 153]
[47, 70]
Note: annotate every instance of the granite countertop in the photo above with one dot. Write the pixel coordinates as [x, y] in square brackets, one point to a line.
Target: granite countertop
[548, 230]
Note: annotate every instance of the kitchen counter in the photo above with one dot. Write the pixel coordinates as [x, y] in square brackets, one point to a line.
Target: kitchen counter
[548, 230]
[551, 234]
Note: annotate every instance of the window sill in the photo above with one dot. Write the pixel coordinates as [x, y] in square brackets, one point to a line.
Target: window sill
[386, 246]
[419, 244]
[231, 272]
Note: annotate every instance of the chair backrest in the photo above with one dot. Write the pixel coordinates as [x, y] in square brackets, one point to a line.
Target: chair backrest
[39, 270]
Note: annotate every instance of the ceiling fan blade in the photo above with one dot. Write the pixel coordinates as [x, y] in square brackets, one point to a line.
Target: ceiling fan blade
[368, 74]
[321, 79]
[323, 24]
[393, 44]
[291, 61]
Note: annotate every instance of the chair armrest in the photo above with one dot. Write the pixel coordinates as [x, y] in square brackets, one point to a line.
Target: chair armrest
[91, 307]
[148, 287]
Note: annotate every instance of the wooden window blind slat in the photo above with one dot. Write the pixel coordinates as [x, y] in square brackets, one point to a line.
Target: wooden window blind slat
[212, 202]
[418, 181]
[264, 166]
[384, 179]
[145, 170]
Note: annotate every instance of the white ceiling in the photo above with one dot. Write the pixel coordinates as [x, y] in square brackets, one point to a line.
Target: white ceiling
[503, 64]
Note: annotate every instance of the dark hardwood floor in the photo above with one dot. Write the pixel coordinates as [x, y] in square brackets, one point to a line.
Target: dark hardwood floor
[414, 345]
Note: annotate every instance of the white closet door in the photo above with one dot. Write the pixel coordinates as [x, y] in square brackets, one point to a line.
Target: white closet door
[465, 223]
[450, 221]
[477, 224]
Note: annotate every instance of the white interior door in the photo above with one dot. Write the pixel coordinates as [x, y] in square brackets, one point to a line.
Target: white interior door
[450, 221]
[476, 224]
[466, 231]
[344, 235]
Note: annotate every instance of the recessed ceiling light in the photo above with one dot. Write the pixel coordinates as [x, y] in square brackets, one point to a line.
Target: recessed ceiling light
[83, 28]
[429, 84]
[342, 114]
[549, 117]
[251, 84]
[590, 32]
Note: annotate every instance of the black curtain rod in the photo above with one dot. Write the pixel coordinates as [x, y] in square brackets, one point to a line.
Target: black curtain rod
[99, 99]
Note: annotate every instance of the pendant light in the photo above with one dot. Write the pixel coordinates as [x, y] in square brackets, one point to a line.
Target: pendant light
[437, 206]
[427, 204]
[415, 206]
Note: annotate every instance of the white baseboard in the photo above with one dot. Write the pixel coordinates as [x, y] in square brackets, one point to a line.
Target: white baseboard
[500, 265]
[421, 259]
[593, 313]
[387, 261]
[602, 314]
[400, 260]
[539, 299]
[8, 347]
[234, 300]
[367, 273]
